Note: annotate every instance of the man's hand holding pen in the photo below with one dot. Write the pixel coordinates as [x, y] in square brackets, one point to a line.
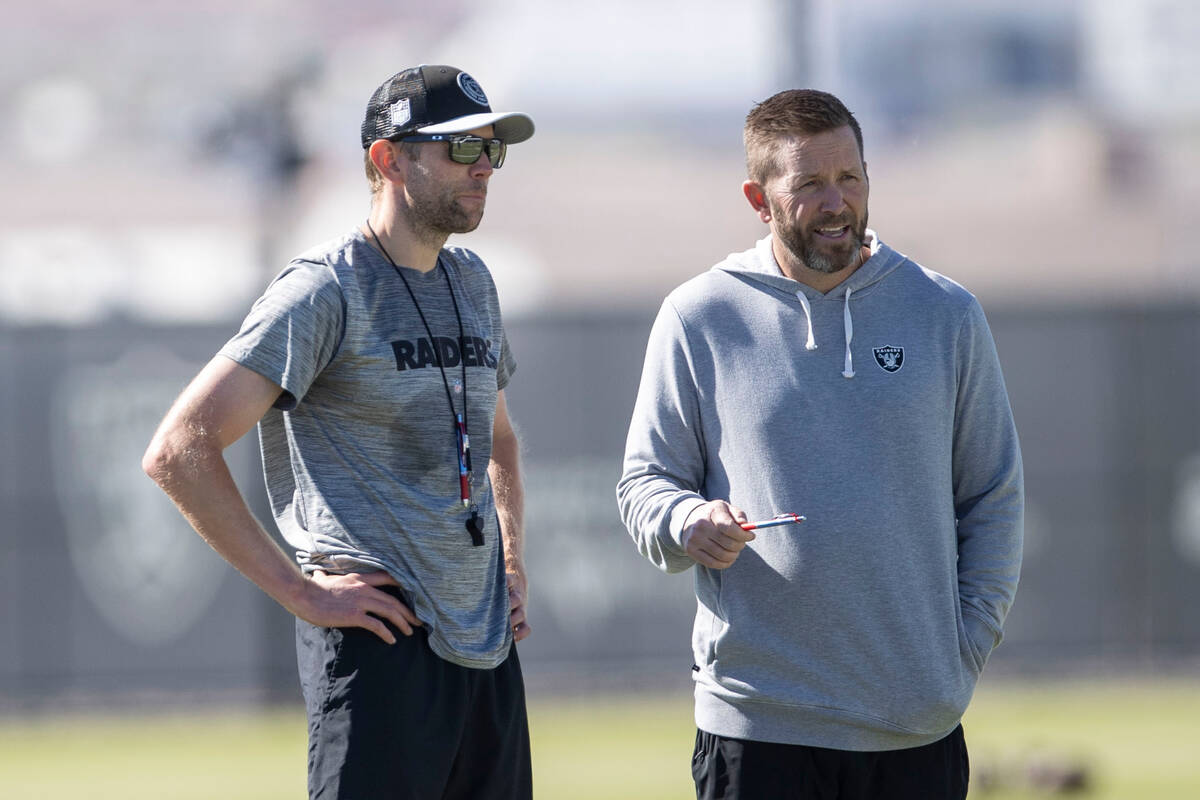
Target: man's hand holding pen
[718, 532]
[713, 535]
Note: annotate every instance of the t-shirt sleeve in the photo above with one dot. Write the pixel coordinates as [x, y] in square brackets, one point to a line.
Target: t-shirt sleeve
[293, 331]
[506, 364]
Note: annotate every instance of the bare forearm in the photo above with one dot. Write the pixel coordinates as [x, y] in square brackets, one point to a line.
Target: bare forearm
[504, 470]
[197, 479]
[186, 458]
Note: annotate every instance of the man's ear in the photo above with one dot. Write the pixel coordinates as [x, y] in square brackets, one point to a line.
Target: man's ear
[756, 195]
[387, 158]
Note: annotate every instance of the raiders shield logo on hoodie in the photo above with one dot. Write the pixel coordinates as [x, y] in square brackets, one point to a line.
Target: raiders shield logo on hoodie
[890, 357]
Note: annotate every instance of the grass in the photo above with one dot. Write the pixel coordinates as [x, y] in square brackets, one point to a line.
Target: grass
[182, 756]
[1131, 740]
[1137, 741]
[632, 748]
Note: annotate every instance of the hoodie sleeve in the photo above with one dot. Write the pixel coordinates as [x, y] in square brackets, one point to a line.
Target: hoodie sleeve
[988, 488]
[664, 452]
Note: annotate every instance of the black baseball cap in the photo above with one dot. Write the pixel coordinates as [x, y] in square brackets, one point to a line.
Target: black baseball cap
[436, 99]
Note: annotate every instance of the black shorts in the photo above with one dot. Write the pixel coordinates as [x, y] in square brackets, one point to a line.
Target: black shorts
[398, 722]
[737, 769]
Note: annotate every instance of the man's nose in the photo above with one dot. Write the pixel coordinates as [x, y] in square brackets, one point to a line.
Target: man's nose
[482, 168]
[832, 199]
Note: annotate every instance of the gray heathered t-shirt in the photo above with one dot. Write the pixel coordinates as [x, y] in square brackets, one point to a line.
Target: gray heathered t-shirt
[360, 451]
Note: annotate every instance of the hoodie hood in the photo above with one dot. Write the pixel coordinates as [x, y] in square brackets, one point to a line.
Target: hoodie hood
[759, 265]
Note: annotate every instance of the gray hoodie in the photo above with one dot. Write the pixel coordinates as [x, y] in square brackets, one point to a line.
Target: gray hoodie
[879, 412]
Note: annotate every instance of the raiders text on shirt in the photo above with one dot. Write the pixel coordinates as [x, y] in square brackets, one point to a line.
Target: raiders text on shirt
[420, 353]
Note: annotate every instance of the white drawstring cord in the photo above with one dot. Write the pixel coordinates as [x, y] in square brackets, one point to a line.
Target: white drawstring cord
[847, 320]
[811, 344]
[848, 372]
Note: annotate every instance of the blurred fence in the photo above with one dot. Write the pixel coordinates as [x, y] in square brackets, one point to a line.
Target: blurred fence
[108, 594]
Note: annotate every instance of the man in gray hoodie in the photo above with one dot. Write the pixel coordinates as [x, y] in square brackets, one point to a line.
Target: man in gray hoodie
[822, 373]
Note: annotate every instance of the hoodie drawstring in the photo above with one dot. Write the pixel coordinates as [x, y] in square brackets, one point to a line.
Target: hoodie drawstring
[847, 321]
[848, 371]
[811, 344]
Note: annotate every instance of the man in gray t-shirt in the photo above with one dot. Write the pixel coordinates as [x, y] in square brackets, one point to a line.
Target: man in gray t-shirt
[375, 366]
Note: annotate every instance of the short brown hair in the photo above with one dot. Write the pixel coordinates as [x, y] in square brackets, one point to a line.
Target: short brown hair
[794, 112]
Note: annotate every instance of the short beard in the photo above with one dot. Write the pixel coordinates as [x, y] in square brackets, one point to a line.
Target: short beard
[803, 245]
[435, 213]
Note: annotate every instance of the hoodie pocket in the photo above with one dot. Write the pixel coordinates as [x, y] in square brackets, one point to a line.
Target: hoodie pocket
[967, 649]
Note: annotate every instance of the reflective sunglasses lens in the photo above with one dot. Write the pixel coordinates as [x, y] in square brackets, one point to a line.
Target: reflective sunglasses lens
[497, 149]
[466, 150]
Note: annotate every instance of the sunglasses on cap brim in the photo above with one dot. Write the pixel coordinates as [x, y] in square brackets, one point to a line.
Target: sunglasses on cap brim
[465, 148]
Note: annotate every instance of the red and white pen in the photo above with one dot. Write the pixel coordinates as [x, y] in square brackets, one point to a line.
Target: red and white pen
[464, 461]
[778, 519]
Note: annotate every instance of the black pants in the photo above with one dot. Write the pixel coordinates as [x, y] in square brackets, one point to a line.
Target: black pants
[397, 722]
[737, 769]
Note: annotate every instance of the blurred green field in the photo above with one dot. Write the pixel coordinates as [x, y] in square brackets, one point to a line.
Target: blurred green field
[1128, 740]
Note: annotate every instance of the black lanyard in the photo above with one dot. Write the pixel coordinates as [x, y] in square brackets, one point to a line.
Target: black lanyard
[474, 525]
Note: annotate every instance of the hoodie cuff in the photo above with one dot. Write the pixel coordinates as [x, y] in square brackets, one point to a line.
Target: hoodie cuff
[679, 518]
